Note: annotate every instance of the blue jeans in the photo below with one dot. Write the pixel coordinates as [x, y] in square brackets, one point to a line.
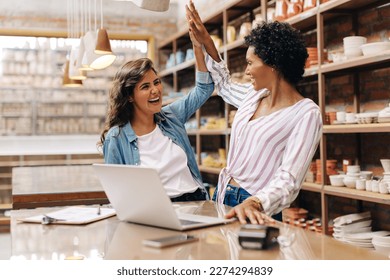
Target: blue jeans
[233, 195]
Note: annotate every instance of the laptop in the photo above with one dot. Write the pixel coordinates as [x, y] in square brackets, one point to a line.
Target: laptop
[138, 196]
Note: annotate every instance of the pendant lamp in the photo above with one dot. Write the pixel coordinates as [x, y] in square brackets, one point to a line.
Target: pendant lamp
[98, 53]
[152, 5]
[66, 81]
[91, 58]
[74, 72]
[103, 45]
[81, 58]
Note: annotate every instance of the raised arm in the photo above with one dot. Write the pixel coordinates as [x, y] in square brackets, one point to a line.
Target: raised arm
[198, 52]
[231, 92]
[199, 32]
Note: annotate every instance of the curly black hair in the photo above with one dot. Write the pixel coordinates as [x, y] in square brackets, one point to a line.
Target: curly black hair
[281, 47]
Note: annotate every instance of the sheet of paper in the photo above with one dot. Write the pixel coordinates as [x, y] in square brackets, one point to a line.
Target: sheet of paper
[74, 215]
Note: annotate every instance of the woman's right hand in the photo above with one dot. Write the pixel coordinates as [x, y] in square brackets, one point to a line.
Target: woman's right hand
[196, 26]
[199, 33]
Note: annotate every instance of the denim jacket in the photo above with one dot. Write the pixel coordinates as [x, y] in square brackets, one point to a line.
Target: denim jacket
[121, 147]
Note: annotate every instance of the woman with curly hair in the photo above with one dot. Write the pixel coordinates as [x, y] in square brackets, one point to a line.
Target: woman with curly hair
[275, 132]
[139, 131]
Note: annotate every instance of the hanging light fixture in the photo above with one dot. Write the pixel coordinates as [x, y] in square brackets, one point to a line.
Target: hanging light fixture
[74, 72]
[82, 60]
[103, 46]
[103, 56]
[66, 80]
[74, 63]
[152, 5]
[81, 50]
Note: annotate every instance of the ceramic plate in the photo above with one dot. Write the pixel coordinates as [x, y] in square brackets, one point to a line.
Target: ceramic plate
[350, 231]
[350, 218]
[354, 225]
[366, 235]
[364, 245]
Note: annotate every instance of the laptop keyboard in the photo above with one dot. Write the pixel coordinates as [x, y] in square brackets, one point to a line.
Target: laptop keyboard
[187, 222]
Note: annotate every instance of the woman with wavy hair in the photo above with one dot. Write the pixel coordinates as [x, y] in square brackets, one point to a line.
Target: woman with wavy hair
[139, 131]
[275, 131]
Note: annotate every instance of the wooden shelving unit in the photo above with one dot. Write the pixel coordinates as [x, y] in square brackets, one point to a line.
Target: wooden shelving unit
[316, 20]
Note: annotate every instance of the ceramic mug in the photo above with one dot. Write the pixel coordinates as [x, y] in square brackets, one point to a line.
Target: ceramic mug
[368, 185]
[361, 184]
[340, 116]
[350, 117]
[375, 186]
[383, 187]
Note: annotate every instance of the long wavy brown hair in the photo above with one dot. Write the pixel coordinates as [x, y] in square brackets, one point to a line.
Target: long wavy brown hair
[120, 109]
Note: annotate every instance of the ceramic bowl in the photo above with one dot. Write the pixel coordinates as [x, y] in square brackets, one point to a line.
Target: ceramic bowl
[337, 180]
[350, 182]
[353, 169]
[361, 184]
[366, 175]
[354, 175]
[375, 48]
[354, 40]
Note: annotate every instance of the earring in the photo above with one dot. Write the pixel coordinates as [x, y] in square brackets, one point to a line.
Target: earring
[131, 99]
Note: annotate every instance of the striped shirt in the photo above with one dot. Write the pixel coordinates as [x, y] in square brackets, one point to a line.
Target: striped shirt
[268, 156]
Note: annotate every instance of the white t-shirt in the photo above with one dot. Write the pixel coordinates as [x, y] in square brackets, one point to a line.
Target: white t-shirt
[158, 151]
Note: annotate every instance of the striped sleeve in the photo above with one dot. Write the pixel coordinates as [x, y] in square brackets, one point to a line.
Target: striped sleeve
[285, 185]
[231, 92]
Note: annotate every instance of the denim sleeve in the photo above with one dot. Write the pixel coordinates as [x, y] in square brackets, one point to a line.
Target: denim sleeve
[186, 106]
[111, 151]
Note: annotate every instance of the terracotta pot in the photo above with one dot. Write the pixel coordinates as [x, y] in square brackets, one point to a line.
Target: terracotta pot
[280, 10]
[293, 8]
[332, 117]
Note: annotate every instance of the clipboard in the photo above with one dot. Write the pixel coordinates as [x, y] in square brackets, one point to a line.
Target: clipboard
[73, 215]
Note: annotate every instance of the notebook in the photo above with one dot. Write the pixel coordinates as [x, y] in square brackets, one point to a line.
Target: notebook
[138, 196]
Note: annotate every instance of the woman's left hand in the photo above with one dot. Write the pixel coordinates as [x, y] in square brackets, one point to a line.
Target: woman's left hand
[249, 209]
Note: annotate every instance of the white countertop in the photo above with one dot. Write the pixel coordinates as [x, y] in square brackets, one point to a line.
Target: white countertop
[48, 145]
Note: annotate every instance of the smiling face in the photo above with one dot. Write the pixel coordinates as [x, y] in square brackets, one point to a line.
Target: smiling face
[261, 75]
[148, 95]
